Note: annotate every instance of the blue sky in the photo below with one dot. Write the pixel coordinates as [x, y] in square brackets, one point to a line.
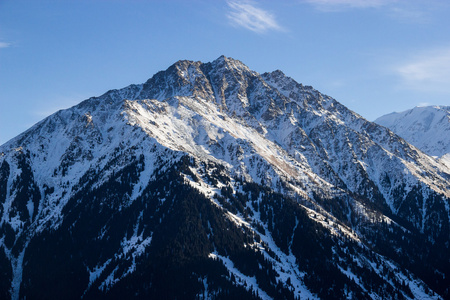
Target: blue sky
[374, 56]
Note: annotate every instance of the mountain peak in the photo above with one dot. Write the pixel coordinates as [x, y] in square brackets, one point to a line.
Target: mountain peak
[222, 62]
[229, 63]
[426, 127]
[213, 181]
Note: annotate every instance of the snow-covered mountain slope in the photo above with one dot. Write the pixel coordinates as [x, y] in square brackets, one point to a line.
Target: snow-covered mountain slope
[269, 184]
[427, 128]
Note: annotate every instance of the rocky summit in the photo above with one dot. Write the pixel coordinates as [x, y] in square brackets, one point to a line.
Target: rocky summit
[212, 181]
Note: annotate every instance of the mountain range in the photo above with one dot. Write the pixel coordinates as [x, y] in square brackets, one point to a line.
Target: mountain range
[212, 181]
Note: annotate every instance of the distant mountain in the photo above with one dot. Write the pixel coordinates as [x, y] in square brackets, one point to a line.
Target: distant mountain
[212, 181]
[427, 128]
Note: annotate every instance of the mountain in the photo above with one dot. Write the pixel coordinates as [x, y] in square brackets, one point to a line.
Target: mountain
[212, 181]
[427, 128]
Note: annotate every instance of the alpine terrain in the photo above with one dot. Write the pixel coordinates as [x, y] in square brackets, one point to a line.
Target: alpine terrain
[212, 181]
[427, 128]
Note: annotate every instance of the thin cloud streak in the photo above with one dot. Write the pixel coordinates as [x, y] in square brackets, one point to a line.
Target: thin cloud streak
[245, 14]
[332, 5]
[409, 15]
[4, 45]
[403, 11]
[428, 71]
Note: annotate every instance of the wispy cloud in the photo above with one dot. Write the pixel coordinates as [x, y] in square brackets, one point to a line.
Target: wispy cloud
[427, 71]
[409, 14]
[332, 5]
[411, 11]
[246, 14]
[4, 45]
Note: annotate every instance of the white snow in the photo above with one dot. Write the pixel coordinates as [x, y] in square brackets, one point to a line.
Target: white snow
[96, 272]
[30, 207]
[428, 127]
[136, 245]
[248, 282]
[17, 268]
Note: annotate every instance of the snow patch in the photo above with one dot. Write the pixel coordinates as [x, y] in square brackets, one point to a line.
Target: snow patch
[248, 282]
